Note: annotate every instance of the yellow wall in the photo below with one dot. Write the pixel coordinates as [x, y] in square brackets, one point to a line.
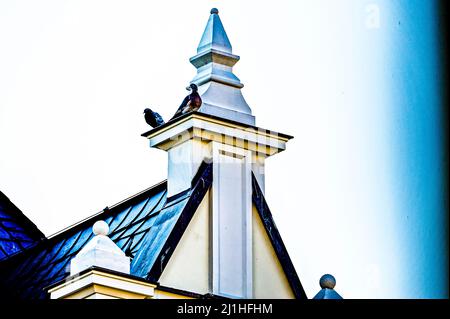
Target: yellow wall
[188, 267]
[269, 280]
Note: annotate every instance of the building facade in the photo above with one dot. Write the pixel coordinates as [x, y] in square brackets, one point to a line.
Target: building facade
[205, 232]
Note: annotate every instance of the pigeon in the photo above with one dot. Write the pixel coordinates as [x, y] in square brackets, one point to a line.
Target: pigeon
[152, 118]
[192, 102]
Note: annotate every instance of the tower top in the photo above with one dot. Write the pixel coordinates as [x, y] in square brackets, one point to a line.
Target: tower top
[214, 37]
[219, 88]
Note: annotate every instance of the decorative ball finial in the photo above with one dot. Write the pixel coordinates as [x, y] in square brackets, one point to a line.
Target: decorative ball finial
[214, 11]
[100, 228]
[327, 281]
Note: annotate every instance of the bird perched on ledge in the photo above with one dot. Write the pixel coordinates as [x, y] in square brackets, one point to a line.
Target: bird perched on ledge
[152, 118]
[192, 102]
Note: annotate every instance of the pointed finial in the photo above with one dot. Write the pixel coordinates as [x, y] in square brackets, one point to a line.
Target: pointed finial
[214, 36]
[218, 86]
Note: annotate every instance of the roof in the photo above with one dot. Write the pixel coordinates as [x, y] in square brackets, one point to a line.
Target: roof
[146, 220]
[149, 222]
[17, 232]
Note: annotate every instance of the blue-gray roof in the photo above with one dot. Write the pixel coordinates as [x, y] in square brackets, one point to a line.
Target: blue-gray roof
[149, 223]
[144, 222]
[49, 262]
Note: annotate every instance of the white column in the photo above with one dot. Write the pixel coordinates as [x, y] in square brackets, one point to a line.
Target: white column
[184, 162]
[231, 222]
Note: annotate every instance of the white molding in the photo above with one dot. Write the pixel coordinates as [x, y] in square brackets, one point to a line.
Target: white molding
[188, 142]
[225, 272]
[207, 129]
[96, 277]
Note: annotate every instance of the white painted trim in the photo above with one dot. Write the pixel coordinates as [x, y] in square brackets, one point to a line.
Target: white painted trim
[95, 277]
[257, 139]
[248, 222]
[214, 221]
[216, 192]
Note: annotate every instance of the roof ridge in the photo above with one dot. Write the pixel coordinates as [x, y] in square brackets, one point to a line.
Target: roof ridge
[110, 208]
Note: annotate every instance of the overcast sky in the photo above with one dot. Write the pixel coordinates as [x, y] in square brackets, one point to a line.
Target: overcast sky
[358, 191]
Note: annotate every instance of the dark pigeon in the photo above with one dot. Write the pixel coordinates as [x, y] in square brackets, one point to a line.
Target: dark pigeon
[152, 118]
[192, 102]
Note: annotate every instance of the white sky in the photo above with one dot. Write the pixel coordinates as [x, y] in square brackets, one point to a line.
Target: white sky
[75, 77]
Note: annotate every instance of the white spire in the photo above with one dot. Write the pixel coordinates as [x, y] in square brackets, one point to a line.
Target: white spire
[214, 36]
[219, 88]
[100, 251]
